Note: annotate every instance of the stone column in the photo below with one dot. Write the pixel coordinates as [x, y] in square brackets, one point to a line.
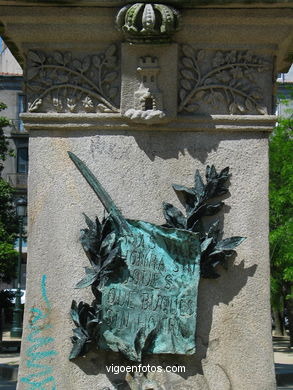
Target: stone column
[143, 110]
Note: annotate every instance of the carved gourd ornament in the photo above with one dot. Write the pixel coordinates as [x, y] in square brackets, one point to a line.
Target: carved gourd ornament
[148, 23]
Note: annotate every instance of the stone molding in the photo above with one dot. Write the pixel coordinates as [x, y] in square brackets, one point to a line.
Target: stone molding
[114, 121]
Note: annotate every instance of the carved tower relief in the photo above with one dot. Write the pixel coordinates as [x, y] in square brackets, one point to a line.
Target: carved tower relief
[148, 100]
[149, 62]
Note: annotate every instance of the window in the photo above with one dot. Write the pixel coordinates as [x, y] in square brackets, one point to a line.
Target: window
[281, 77]
[20, 109]
[148, 104]
[2, 45]
[22, 160]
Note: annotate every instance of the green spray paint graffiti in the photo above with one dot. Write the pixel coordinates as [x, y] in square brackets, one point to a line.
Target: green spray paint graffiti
[42, 377]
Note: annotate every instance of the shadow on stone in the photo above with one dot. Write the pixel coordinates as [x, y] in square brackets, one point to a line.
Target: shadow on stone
[153, 143]
[198, 145]
[212, 293]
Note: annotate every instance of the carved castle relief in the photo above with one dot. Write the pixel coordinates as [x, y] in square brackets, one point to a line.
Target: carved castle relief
[148, 100]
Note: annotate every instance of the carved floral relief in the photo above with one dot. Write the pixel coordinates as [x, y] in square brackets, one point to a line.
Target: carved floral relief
[224, 82]
[210, 81]
[61, 82]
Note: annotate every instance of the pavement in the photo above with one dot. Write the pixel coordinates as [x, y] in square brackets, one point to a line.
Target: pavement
[283, 356]
[9, 361]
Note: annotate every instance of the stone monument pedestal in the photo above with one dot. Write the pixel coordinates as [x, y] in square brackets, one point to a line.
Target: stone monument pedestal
[143, 111]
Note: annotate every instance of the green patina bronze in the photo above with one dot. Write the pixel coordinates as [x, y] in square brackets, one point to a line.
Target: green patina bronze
[145, 277]
[151, 302]
[154, 307]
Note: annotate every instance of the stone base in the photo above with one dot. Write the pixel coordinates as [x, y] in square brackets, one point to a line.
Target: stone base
[234, 348]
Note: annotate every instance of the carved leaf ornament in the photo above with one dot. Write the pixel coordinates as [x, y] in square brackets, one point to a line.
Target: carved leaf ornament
[62, 83]
[67, 84]
[140, 306]
[230, 81]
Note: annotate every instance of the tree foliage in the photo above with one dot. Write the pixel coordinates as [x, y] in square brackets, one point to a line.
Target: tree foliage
[4, 144]
[8, 223]
[281, 214]
[281, 198]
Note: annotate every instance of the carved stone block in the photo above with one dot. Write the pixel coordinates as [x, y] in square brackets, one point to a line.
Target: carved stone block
[149, 82]
[223, 82]
[63, 82]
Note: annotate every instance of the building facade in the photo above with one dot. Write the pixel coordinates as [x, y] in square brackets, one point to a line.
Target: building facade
[15, 168]
[285, 94]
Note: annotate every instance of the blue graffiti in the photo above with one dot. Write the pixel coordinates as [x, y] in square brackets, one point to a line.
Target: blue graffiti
[43, 373]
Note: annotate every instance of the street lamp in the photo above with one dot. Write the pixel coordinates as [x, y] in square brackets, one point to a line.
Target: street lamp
[16, 330]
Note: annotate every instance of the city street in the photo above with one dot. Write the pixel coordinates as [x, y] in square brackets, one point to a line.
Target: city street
[282, 355]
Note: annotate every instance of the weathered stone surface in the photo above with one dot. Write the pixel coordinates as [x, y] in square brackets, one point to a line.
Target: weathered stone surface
[60, 81]
[165, 58]
[225, 82]
[266, 32]
[145, 165]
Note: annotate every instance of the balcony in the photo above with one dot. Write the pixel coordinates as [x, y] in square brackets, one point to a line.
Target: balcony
[17, 180]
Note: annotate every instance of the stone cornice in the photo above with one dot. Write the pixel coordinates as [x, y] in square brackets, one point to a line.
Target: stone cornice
[178, 3]
[114, 121]
[270, 30]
